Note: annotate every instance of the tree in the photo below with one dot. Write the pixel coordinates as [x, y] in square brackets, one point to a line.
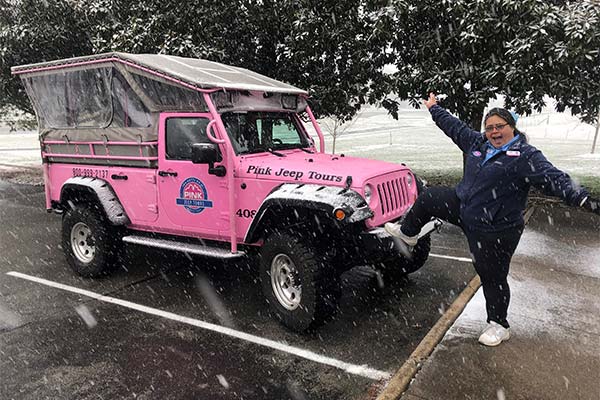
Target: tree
[562, 47]
[336, 126]
[474, 50]
[207, 30]
[34, 31]
[471, 50]
[334, 52]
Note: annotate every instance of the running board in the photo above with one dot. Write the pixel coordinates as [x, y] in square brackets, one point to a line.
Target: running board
[190, 248]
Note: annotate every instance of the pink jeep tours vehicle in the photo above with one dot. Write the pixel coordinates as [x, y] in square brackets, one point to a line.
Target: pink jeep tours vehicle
[199, 157]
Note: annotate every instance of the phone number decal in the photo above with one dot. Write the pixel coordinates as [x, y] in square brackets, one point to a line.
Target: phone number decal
[93, 173]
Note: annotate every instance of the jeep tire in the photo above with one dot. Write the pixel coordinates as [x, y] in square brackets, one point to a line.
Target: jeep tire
[397, 268]
[300, 286]
[91, 245]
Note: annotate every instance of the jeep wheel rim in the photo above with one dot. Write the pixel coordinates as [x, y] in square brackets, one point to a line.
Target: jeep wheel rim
[82, 242]
[284, 281]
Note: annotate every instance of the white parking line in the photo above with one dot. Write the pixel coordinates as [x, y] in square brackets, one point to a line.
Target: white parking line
[360, 370]
[451, 257]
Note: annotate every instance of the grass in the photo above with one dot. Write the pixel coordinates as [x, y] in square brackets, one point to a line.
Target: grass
[591, 183]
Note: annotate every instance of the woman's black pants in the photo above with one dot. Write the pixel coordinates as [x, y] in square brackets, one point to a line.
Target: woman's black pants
[491, 251]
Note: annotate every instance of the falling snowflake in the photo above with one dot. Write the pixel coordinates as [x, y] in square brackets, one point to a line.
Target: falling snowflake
[223, 381]
[86, 315]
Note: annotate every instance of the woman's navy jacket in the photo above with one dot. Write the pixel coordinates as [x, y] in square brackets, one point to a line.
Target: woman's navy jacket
[493, 195]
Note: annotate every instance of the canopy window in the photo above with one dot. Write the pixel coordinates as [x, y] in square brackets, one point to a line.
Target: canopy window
[72, 98]
[165, 96]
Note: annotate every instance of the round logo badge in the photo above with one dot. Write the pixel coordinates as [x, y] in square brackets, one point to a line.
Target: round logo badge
[193, 196]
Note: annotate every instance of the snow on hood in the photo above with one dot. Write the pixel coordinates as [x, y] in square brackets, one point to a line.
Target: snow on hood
[317, 168]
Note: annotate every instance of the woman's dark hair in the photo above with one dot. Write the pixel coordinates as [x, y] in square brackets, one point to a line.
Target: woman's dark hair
[502, 113]
[508, 117]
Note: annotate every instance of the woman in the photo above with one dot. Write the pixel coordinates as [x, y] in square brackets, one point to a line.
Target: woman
[488, 203]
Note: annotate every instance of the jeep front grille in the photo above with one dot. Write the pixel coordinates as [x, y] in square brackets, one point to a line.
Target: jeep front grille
[393, 198]
[393, 195]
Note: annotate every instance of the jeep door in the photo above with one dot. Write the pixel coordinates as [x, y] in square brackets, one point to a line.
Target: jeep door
[191, 199]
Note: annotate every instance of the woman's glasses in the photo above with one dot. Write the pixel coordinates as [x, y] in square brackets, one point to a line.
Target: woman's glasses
[497, 127]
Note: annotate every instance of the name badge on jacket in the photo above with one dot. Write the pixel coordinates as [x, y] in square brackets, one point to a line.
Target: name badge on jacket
[513, 153]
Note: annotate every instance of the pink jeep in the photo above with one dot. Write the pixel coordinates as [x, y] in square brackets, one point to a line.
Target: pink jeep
[199, 157]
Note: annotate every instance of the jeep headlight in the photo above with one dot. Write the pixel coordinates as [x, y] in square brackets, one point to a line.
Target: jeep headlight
[368, 193]
[409, 180]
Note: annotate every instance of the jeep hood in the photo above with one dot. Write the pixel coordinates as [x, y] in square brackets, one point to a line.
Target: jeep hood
[317, 168]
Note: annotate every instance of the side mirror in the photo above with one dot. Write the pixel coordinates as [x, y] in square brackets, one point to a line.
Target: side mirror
[208, 153]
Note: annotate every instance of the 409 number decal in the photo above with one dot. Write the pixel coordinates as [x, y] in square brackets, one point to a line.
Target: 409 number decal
[245, 213]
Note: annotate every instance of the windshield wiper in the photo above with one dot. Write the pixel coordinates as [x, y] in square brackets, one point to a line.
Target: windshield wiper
[278, 154]
[294, 146]
[263, 149]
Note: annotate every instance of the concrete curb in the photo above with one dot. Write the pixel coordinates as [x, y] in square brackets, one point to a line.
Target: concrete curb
[401, 379]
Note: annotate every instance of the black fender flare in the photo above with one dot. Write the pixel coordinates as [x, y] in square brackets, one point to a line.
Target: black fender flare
[325, 199]
[101, 191]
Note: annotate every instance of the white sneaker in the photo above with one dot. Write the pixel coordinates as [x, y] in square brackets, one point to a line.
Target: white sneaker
[494, 334]
[403, 243]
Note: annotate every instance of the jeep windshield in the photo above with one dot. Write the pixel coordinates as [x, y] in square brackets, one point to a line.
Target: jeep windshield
[257, 132]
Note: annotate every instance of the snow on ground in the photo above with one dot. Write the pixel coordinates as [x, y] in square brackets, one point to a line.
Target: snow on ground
[571, 254]
[19, 148]
[549, 292]
[547, 302]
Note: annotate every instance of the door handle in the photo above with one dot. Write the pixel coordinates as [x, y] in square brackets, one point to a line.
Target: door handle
[119, 177]
[167, 173]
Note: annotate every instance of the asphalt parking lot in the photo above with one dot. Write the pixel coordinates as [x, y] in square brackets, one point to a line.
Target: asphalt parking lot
[166, 326]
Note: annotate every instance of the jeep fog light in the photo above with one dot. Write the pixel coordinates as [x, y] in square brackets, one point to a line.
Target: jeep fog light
[368, 193]
[409, 180]
[339, 214]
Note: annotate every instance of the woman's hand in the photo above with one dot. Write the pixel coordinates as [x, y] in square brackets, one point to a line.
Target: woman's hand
[431, 101]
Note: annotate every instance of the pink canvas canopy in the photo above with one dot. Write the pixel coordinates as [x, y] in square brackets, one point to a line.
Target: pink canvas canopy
[116, 97]
[189, 72]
